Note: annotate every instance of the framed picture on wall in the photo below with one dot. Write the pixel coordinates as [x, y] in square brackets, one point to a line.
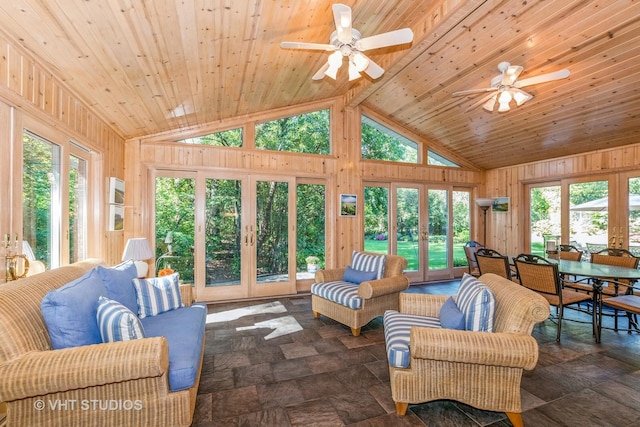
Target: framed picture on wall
[501, 204]
[116, 217]
[116, 191]
[348, 204]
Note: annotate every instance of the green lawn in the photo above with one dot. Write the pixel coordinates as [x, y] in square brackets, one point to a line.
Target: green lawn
[409, 250]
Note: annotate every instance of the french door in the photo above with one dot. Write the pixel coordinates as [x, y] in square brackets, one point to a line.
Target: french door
[429, 225]
[244, 243]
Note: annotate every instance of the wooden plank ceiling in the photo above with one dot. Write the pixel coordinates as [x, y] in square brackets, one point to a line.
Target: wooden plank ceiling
[154, 66]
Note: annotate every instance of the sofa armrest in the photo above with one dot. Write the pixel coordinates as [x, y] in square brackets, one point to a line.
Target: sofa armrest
[427, 305]
[330, 275]
[43, 372]
[186, 294]
[482, 348]
[385, 286]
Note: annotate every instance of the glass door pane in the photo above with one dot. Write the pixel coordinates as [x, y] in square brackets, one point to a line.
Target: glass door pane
[633, 216]
[310, 229]
[545, 218]
[77, 209]
[409, 237]
[175, 225]
[438, 214]
[589, 214]
[41, 199]
[223, 232]
[271, 237]
[376, 219]
[461, 226]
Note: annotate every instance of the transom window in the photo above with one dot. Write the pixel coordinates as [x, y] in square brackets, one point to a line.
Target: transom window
[225, 138]
[302, 133]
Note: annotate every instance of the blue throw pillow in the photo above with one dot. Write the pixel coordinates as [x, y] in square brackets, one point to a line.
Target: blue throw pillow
[117, 322]
[358, 276]
[70, 312]
[450, 315]
[118, 281]
[478, 304]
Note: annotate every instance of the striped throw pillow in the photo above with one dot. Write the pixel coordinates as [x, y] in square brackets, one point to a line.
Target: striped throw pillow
[116, 322]
[477, 302]
[366, 262]
[157, 295]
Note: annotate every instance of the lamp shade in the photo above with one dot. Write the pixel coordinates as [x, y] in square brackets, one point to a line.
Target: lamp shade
[485, 202]
[138, 250]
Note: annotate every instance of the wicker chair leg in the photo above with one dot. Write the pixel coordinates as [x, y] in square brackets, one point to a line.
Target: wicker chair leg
[355, 331]
[515, 418]
[316, 315]
[401, 408]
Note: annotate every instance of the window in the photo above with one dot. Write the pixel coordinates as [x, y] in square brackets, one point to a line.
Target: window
[41, 199]
[310, 225]
[381, 143]
[304, 133]
[227, 138]
[435, 159]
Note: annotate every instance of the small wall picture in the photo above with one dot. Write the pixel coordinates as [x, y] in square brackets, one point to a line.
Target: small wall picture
[501, 204]
[116, 218]
[116, 191]
[348, 203]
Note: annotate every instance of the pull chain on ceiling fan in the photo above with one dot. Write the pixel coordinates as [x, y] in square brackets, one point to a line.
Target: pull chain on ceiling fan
[506, 88]
[347, 42]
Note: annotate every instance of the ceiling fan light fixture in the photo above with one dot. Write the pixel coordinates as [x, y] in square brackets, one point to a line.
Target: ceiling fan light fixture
[491, 103]
[353, 71]
[360, 61]
[520, 96]
[504, 99]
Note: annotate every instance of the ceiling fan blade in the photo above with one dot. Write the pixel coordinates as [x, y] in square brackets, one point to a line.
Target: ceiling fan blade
[511, 74]
[342, 18]
[480, 102]
[312, 46]
[556, 75]
[392, 38]
[472, 91]
[374, 70]
[319, 75]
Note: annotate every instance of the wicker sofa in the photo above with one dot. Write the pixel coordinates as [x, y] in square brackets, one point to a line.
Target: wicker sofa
[108, 384]
[481, 369]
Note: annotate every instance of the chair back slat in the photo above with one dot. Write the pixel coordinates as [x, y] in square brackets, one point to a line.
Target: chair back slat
[570, 253]
[538, 274]
[490, 261]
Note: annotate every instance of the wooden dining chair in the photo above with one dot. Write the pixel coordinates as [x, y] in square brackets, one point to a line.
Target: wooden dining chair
[490, 261]
[541, 276]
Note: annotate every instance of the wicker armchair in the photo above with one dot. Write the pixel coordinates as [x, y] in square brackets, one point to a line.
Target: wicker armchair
[480, 369]
[377, 295]
[470, 250]
[490, 261]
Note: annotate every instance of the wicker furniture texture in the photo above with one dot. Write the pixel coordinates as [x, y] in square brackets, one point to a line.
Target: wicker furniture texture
[129, 378]
[481, 369]
[470, 249]
[490, 261]
[378, 295]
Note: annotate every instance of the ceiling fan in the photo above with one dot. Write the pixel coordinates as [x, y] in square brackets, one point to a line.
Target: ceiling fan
[506, 87]
[347, 42]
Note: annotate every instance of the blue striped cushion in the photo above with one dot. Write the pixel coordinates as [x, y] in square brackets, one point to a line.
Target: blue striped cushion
[116, 322]
[478, 304]
[157, 295]
[397, 329]
[343, 293]
[365, 262]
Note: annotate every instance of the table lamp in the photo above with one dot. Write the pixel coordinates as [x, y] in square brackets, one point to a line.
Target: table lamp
[485, 204]
[138, 250]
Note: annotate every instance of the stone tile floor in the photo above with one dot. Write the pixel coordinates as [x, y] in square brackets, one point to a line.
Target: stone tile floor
[320, 375]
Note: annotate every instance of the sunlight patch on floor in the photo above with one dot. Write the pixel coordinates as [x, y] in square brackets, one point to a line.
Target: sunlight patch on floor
[235, 314]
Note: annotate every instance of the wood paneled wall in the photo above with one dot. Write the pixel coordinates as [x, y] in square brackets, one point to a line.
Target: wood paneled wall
[507, 229]
[31, 93]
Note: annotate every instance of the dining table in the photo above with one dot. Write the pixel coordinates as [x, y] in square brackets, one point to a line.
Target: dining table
[599, 274]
